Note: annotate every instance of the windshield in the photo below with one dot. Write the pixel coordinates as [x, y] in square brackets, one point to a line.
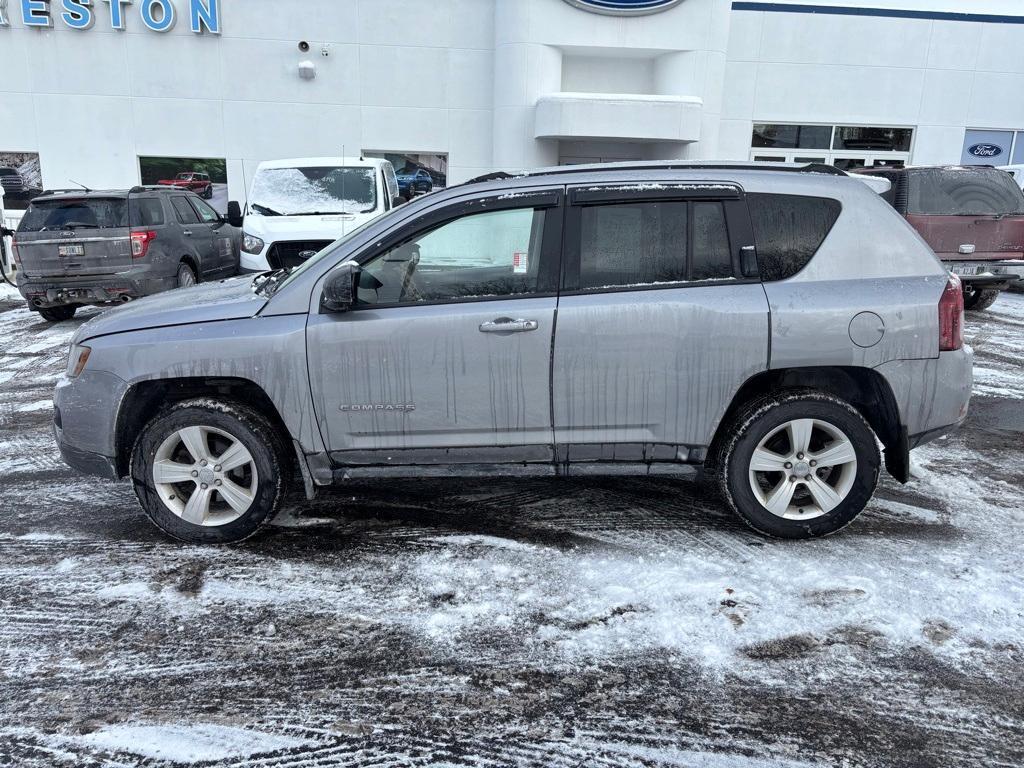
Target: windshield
[308, 191]
[91, 213]
[964, 192]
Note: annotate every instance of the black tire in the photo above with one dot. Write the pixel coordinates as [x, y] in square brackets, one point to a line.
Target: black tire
[979, 300]
[756, 421]
[187, 276]
[58, 314]
[242, 423]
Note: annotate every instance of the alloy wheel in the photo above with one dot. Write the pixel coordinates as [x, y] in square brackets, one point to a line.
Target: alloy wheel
[205, 476]
[803, 469]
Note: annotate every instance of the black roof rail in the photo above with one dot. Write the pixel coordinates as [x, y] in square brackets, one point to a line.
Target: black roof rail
[77, 190]
[820, 168]
[156, 188]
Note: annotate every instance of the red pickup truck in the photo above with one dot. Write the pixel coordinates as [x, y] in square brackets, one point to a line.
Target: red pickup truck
[972, 217]
[195, 182]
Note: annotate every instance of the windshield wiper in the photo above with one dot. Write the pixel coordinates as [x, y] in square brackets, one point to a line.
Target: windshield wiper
[80, 225]
[322, 213]
[269, 281]
[264, 210]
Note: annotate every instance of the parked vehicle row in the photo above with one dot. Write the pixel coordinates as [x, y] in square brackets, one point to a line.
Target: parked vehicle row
[726, 319]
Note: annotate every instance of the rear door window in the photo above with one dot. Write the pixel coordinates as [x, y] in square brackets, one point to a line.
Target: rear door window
[649, 243]
[789, 230]
[147, 212]
[184, 211]
[83, 213]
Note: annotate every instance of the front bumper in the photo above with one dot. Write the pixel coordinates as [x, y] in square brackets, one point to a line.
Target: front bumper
[85, 461]
[44, 293]
[252, 263]
[85, 413]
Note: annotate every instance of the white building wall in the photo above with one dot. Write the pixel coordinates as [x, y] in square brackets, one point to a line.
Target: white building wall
[463, 77]
[936, 76]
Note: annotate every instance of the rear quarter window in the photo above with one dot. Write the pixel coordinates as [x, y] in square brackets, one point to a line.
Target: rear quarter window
[789, 230]
[147, 212]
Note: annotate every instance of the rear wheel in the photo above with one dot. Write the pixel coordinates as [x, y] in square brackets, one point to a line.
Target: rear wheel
[799, 464]
[58, 314]
[186, 277]
[979, 300]
[209, 472]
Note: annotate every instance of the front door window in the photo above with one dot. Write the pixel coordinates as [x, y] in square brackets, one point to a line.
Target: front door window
[484, 255]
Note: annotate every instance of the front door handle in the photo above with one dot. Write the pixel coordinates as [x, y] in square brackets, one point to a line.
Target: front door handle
[508, 325]
[187, 232]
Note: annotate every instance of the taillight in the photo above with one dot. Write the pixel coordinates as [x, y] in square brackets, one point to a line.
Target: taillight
[951, 316]
[140, 243]
[14, 252]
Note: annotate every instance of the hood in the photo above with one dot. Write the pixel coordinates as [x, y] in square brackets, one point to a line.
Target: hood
[276, 229]
[231, 299]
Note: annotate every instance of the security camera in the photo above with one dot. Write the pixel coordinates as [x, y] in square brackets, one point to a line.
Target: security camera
[303, 46]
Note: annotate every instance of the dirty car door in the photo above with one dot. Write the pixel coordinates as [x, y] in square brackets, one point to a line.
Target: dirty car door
[658, 326]
[446, 357]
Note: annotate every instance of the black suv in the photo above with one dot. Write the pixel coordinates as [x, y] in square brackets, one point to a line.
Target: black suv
[77, 247]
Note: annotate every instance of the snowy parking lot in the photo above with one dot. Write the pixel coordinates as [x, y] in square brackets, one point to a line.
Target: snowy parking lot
[591, 622]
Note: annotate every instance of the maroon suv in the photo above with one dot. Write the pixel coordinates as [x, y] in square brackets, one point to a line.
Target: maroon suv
[971, 216]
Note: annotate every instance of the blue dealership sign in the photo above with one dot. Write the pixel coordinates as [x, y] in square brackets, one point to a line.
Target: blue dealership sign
[624, 7]
[985, 150]
[986, 147]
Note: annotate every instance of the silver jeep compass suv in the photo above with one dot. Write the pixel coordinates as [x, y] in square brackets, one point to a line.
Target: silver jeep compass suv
[769, 325]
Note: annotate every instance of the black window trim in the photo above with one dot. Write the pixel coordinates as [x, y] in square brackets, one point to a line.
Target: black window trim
[737, 220]
[550, 200]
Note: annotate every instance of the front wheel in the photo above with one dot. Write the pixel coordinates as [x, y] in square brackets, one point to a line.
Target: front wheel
[58, 314]
[979, 300]
[209, 472]
[799, 464]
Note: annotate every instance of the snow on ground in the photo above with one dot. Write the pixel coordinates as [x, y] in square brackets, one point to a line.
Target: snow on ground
[515, 622]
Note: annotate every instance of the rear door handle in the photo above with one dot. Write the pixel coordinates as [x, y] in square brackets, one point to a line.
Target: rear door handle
[509, 325]
[187, 232]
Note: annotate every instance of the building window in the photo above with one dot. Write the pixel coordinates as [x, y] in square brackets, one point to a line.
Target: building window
[845, 146]
[872, 139]
[792, 136]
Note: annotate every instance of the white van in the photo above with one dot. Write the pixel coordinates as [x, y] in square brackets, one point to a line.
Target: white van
[1017, 171]
[299, 206]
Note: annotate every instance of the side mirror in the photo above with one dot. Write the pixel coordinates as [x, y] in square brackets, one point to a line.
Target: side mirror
[397, 201]
[235, 218]
[340, 288]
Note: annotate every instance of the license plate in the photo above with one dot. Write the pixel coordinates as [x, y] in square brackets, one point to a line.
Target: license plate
[71, 250]
[958, 270]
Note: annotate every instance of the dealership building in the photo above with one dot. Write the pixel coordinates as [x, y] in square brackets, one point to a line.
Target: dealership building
[96, 89]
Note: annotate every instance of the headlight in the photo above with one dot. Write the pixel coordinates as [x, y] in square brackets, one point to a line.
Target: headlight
[77, 359]
[251, 243]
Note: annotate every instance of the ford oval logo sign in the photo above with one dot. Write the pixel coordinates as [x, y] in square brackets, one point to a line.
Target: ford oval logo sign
[985, 150]
[624, 7]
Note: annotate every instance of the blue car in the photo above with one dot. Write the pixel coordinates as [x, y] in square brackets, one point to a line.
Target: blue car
[414, 182]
